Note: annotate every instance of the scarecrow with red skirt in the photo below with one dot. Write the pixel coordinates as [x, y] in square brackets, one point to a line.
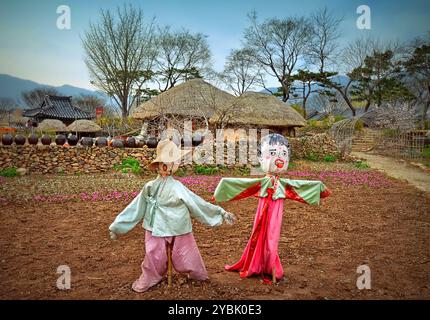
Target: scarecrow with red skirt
[260, 256]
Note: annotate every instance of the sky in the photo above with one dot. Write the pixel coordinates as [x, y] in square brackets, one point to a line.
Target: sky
[32, 47]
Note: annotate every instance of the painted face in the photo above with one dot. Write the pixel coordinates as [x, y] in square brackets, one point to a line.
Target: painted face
[167, 168]
[274, 158]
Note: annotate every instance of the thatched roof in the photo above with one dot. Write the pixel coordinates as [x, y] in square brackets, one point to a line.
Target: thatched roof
[52, 125]
[193, 98]
[84, 126]
[259, 109]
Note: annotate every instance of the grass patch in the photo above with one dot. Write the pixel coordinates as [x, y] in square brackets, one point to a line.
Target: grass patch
[329, 158]
[181, 172]
[312, 157]
[128, 165]
[244, 171]
[8, 172]
[426, 153]
[361, 165]
[205, 170]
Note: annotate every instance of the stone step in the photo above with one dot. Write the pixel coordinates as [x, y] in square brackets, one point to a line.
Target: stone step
[373, 134]
[366, 137]
[361, 149]
[363, 144]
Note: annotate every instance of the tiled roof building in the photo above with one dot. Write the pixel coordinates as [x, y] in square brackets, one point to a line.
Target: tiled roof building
[56, 107]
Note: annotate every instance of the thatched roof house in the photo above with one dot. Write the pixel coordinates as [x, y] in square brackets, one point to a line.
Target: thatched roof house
[192, 99]
[53, 125]
[259, 110]
[84, 126]
[199, 99]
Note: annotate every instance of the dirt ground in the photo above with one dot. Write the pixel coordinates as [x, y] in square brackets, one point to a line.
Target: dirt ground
[386, 228]
[397, 169]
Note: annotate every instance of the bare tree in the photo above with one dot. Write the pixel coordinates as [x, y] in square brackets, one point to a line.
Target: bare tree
[352, 57]
[305, 82]
[355, 52]
[329, 105]
[418, 67]
[181, 56]
[222, 113]
[351, 62]
[7, 107]
[277, 45]
[34, 98]
[323, 45]
[120, 54]
[88, 102]
[240, 72]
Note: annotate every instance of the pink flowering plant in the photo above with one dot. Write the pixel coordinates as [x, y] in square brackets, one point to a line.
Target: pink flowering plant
[97, 188]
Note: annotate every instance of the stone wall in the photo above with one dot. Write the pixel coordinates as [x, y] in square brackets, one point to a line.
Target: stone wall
[315, 145]
[70, 160]
[59, 159]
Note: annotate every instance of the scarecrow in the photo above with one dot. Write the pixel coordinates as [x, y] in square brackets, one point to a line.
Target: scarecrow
[166, 206]
[260, 256]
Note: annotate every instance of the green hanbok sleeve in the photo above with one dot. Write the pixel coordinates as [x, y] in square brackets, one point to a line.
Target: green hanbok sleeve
[306, 191]
[203, 211]
[230, 189]
[131, 215]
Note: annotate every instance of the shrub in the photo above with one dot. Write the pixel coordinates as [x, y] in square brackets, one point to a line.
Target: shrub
[205, 170]
[244, 171]
[8, 172]
[426, 152]
[359, 125]
[390, 132]
[128, 165]
[423, 125]
[361, 165]
[298, 108]
[222, 168]
[312, 157]
[180, 172]
[329, 158]
[339, 117]
[314, 124]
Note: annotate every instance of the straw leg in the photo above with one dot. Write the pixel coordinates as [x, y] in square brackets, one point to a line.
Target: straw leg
[169, 265]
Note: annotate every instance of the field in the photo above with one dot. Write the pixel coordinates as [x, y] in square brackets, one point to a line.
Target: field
[52, 220]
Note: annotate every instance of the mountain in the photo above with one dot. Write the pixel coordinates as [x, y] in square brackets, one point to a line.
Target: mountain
[12, 87]
[341, 79]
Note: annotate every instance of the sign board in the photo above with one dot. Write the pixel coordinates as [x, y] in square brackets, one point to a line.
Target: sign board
[99, 112]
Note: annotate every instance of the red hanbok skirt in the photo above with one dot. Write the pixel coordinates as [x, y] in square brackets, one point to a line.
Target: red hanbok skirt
[261, 253]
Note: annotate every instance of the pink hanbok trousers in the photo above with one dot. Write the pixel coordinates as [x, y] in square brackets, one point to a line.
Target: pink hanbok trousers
[186, 258]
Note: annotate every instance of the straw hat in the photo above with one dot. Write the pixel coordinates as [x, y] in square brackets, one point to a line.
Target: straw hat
[167, 151]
